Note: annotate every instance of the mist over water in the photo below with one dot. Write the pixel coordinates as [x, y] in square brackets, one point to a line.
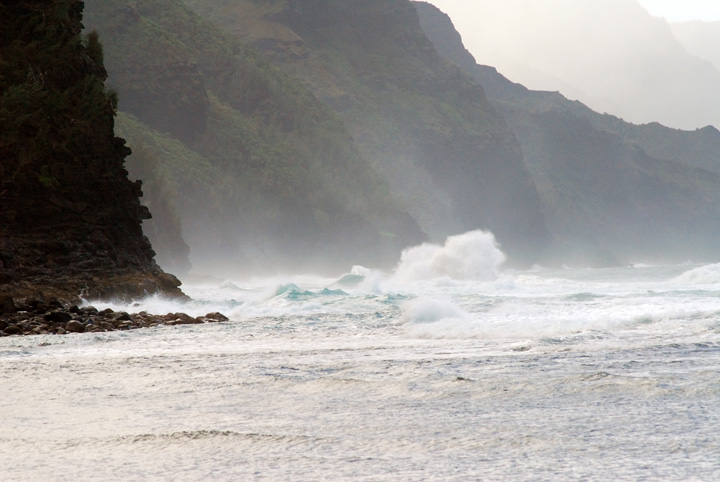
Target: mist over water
[449, 367]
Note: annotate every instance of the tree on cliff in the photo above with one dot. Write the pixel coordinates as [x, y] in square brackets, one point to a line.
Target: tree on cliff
[69, 216]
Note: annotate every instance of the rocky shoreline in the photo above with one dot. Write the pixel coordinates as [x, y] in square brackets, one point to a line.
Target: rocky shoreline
[36, 316]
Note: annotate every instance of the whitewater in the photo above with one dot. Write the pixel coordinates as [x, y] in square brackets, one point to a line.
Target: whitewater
[450, 367]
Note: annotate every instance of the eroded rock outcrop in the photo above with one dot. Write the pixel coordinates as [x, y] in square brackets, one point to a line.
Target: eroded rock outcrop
[69, 216]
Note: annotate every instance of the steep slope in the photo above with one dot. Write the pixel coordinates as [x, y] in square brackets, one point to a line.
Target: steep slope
[263, 175]
[610, 189]
[423, 123]
[610, 54]
[69, 216]
[696, 148]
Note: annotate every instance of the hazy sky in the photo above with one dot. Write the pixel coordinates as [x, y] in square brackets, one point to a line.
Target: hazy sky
[682, 10]
[615, 56]
[672, 10]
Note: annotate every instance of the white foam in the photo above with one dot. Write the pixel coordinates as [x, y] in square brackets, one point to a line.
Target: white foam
[703, 275]
[471, 256]
[429, 310]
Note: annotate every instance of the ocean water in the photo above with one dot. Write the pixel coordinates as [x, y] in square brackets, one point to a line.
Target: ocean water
[448, 368]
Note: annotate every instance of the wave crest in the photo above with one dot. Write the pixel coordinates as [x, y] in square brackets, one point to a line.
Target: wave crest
[703, 275]
[471, 256]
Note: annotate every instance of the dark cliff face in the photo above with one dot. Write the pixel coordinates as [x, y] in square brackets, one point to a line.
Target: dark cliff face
[426, 126]
[611, 191]
[69, 216]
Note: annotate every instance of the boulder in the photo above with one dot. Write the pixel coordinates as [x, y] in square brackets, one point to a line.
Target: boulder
[74, 326]
[215, 317]
[13, 330]
[181, 319]
[122, 316]
[58, 317]
[106, 325]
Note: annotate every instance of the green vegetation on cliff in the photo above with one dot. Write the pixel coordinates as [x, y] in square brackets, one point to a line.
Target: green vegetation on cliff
[257, 169]
[69, 216]
[425, 125]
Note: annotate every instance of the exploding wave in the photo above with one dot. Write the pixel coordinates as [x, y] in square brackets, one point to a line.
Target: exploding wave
[471, 256]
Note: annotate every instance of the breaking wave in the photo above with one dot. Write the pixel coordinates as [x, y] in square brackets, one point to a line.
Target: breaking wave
[703, 275]
[472, 256]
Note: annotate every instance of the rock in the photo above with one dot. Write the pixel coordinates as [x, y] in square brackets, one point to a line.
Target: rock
[58, 317]
[216, 317]
[36, 300]
[106, 325]
[122, 316]
[74, 326]
[85, 320]
[182, 319]
[13, 330]
[168, 282]
[7, 305]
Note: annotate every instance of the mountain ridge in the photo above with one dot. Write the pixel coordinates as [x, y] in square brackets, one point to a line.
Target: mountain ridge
[610, 189]
[616, 57]
[425, 126]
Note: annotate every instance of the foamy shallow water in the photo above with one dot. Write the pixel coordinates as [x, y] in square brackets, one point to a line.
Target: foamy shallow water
[542, 375]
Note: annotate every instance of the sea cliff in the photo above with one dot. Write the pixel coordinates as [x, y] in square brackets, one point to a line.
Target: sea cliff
[70, 219]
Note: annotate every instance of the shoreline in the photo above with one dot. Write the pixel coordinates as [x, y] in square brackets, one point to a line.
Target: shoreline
[35, 316]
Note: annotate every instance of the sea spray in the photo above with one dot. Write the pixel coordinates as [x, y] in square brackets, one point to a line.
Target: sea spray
[471, 256]
[702, 275]
[429, 310]
[466, 377]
